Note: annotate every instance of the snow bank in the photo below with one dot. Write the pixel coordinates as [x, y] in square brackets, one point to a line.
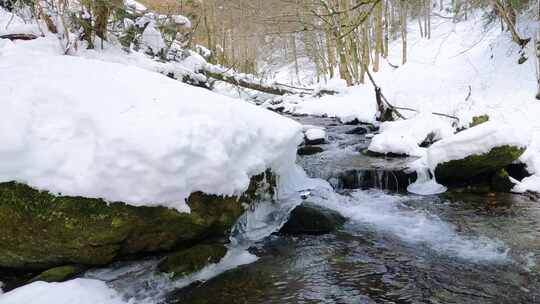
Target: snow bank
[531, 158]
[475, 141]
[315, 134]
[79, 291]
[87, 127]
[405, 136]
[347, 107]
[12, 24]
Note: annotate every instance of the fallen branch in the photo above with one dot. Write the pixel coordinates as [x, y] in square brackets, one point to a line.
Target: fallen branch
[293, 87]
[19, 37]
[237, 80]
[386, 109]
[247, 84]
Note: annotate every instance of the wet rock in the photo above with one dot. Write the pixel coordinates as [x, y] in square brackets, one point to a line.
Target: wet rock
[188, 261]
[500, 182]
[357, 131]
[312, 219]
[42, 231]
[476, 165]
[309, 150]
[314, 137]
[393, 180]
[370, 153]
[430, 140]
[58, 274]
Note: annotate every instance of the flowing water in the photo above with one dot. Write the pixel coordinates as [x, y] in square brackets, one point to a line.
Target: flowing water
[395, 247]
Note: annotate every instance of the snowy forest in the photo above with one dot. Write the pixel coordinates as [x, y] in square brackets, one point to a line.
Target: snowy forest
[269, 151]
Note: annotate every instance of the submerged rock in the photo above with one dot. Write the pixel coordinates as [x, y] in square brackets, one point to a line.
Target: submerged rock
[476, 165]
[188, 261]
[41, 231]
[357, 131]
[309, 150]
[312, 219]
[59, 274]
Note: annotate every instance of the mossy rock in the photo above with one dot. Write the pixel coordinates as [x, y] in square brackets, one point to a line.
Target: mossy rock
[477, 120]
[309, 218]
[58, 274]
[41, 231]
[188, 261]
[500, 182]
[475, 165]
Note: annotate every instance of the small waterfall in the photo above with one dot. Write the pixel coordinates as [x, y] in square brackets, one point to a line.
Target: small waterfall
[425, 183]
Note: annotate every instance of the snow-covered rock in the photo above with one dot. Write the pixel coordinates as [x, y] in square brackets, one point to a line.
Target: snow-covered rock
[405, 136]
[315, 136]
[475, 141]
[97, 129]
[80, 291]
[485, 148]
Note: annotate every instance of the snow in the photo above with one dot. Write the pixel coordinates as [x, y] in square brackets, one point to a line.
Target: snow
[346, 106]
[81, 126]
[405, 136]
[13, 24]
[315, 134]
[137, 6]
[152, 39]
[475, 141]
[531, 158]
[182, 20]
[80, 291]
[466, 69]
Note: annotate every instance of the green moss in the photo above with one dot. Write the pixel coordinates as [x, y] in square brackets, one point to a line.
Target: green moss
[477, 120]
[476, 165]
[42, 231]
[500, 182]
[58, 274]
[191, 260]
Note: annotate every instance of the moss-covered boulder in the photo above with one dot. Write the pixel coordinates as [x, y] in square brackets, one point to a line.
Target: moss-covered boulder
[501, 182]
[188, 261]
[40, 231]
[309, 218]
[58, 274]
[476, 165]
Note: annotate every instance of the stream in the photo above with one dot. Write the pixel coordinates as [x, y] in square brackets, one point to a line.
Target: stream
[456, 247]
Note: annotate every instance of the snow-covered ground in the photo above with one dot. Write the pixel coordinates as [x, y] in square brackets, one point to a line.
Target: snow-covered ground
[98, 125]
[466, 69]
[80, 291]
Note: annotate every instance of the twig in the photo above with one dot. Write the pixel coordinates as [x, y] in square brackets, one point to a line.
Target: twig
[293, 87]
[469, 95]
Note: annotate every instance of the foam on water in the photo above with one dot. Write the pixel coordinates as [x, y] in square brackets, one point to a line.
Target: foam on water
[140, 283]
[388, 214]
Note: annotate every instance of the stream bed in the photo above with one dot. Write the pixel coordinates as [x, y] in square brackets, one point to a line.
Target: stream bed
[457, 247]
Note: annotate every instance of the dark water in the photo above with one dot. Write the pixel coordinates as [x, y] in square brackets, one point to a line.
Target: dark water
[395, 248]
